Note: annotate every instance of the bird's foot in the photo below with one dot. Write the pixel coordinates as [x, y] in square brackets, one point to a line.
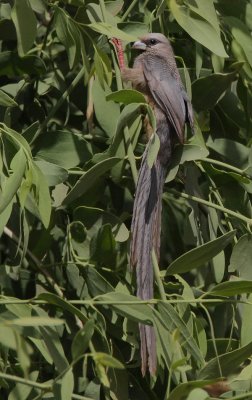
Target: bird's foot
[119, 50]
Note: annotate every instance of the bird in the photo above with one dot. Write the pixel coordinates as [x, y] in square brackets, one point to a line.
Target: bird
[156, 76]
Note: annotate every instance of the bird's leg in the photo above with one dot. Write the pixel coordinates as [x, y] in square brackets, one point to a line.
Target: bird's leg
[119, 51]
[133, 75]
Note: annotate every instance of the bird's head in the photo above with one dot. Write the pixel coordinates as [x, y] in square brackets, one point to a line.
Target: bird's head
[152, 42]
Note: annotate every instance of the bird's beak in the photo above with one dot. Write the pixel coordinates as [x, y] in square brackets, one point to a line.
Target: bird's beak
[139, 45]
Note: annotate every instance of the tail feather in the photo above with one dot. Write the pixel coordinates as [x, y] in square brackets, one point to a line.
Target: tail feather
[145, 230]
[146, 226]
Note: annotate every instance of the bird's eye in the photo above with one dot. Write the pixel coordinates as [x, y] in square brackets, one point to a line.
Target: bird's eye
[153, 42]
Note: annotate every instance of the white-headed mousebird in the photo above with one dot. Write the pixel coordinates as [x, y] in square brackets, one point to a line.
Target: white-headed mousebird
[156, 75]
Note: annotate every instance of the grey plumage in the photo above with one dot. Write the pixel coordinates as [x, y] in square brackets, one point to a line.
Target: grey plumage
[155, 74]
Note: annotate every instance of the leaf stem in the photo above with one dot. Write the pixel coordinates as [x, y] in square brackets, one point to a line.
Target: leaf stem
[129, 9]
[130, 154]
[42, 386]
[117, 72]
[227, 166]
[213, 338]
[157, 275]
[26, 382]
[213, 205]
[75, 172]
[242, 396]
[103, 10]
[93, 302]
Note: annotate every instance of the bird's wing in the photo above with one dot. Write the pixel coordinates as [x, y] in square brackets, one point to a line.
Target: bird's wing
[166, 91]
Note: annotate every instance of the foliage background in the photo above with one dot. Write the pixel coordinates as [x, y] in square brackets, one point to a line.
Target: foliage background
[70, 146]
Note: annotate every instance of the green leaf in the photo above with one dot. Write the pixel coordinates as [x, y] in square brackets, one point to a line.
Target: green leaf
[11, 185]
[102, 248]
[232, 288]
[107, 360]
[172, 320]
[82, 338]
[40, 346]
[103, 67]
[231, 107]
[53, 344]
[207, 91]
[94, 218]
[213, 171]
[111, 31]
[197, 257]
[17, 139]
[199, 59]
[200, 22]
[246, 321]
[96, 14]
[12, 65]
[114, 7]
[67, 385]
[153, 149]
[234, 152]
[182, 390]
[198, 394]
[129, 113]
[89, 178]
[102, 374]
[54, 347]
[241, 257]
[26, 25]
[96, 283]
[137, 312]
[5, 215]
[30, 131]
[63, 304]
[8, 337]
[51, 146]
[137, 29]
[23, 354]
[20, 310]
[6, 101]
[218, 63]
[26, 187]
[68, 34]
[53, 173]
[21, 391]
[38, 6]
[195, 149]
[107, 113]
[193, 152]
[242, 35]
[63, 388]
[126, 96]
[43, 199]
[35, 321]
[228, 363]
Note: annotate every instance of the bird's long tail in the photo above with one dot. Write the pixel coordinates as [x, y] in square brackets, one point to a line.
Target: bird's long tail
[145, 229]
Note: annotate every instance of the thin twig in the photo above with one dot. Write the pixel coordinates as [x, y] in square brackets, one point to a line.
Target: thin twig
[157, 275]
[94, 303]
[212, 205]
[227, 166]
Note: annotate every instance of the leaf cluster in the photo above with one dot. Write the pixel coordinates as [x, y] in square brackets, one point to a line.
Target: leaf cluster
[71, 140]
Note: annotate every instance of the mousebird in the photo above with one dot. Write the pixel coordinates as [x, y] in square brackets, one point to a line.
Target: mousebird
[156, 75]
